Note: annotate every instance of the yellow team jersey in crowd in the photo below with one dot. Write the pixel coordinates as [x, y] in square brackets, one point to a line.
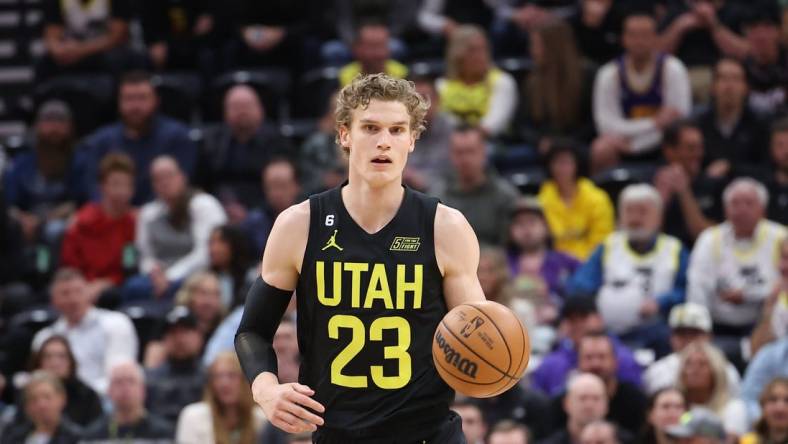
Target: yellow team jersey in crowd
[351, 70]
[468, 102]
[578, 227]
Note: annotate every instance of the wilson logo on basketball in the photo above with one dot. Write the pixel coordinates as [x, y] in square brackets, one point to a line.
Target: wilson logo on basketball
[453, 357]
[471, 326]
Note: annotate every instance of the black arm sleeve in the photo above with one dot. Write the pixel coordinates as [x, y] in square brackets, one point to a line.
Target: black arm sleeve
[265, 305]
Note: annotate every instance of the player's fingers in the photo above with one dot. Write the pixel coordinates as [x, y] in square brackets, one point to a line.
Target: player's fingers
[278, 419]
[306, 401]
[301, 388]
[296, 423]
[304, 414]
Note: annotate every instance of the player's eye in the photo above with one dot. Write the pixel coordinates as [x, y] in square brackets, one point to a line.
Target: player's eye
[397, 130]
[369, 128]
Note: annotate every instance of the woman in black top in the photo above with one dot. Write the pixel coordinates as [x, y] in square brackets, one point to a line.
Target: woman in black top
[83, 405]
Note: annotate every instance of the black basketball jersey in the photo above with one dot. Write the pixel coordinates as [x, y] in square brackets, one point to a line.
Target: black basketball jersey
[368, 307]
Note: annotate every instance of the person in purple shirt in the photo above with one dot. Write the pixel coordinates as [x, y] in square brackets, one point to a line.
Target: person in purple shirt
[532, 261]
[579, 317]
[141, 133]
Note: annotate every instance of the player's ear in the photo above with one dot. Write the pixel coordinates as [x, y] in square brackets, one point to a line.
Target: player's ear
[344, 137]
[413, 138]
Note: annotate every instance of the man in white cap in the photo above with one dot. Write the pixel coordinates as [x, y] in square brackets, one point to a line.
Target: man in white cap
[698, 426]
[689, 322]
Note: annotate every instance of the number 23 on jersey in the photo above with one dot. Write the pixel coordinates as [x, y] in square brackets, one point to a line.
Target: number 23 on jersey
[357, 341]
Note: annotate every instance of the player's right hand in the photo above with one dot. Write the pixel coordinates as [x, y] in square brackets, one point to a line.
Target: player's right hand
[285, 405]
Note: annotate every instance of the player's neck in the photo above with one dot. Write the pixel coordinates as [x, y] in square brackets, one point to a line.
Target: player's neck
[372, 207]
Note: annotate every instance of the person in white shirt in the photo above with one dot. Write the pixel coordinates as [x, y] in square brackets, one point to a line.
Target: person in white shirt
[733, 267]
[637, 95]
[688, 322]
[172, 232]
[99, 338]
[636, 273]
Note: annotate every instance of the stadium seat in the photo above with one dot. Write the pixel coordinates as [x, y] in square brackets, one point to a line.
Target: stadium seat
[90, 97]
[528, 180]
[310, 98]
[271, 84]
[615, 179]
[427, 68]
[148, 320]
[179, 95]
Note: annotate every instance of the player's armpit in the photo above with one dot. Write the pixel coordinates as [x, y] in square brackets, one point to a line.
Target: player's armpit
[457, 253]
[284, 250]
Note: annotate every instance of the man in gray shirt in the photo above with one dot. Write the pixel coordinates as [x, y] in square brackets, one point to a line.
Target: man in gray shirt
[475, 188]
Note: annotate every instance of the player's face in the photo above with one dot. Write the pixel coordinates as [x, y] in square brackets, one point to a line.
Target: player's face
[667, 410]
[379, 140]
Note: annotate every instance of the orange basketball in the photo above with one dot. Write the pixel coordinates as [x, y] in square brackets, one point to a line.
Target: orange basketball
[481, 349]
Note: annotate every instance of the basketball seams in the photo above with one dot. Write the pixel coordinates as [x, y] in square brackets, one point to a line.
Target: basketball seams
[500, 333]
[459, 378]
[505, 374]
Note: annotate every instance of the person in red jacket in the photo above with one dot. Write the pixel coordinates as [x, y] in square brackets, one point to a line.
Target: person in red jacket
[100, 240]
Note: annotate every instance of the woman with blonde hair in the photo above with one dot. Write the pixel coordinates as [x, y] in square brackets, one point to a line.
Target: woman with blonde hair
[474, 91]
[227, 414]
[772, 428]
[704, 381]
[202, 294]
[556, 99]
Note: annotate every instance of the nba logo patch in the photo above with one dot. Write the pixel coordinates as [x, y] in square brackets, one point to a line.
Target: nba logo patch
[401, 243]
[471, 326]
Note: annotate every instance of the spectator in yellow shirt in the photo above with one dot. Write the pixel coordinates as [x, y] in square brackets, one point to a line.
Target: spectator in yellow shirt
[579, 214]
[371, 52]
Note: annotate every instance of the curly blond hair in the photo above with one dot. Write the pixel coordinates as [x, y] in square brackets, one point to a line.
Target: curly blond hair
[365, 88]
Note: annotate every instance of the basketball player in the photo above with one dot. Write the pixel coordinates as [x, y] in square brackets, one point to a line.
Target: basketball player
[375, 267]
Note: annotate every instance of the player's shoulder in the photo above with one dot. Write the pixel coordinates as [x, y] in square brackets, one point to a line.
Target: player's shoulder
[295, 216]
[449, 219]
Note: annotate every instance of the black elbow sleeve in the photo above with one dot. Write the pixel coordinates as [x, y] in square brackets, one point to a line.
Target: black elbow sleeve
[265, 305]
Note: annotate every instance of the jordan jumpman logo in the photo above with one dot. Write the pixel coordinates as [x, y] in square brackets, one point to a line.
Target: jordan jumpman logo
[332, 242]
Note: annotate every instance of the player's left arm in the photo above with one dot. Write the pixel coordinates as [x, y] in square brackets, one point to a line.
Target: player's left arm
[457, 253]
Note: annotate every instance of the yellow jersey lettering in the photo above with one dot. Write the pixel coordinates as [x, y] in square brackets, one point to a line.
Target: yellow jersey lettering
[378, 288]
[404, 286]
[334, 300]
[355, 269]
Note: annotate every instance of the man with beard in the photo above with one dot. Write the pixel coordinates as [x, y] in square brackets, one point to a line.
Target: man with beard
[637, 273]
[39, 185]
[141, 133]
[778, 182]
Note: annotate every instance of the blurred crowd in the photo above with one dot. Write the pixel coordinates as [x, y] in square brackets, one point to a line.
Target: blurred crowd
[624, 164]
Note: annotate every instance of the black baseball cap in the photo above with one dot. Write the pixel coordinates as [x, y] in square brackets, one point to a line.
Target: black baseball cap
[179, 316]
[527, 204]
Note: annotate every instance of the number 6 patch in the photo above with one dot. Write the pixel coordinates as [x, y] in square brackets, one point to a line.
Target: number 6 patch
[329, 220]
